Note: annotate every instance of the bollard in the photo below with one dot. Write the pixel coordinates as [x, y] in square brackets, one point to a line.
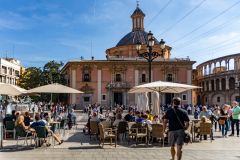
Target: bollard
[1, 135]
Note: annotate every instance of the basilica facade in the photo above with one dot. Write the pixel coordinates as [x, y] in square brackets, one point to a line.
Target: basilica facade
[108, 81]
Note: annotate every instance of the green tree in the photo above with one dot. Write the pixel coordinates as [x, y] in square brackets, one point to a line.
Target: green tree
[31, 78]
[51, 73]
[35, 77]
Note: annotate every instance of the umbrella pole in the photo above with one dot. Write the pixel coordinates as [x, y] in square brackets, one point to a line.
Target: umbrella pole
[160, 100]
[51, 100]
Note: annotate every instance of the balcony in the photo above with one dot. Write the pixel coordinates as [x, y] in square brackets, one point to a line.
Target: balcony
[118, 85]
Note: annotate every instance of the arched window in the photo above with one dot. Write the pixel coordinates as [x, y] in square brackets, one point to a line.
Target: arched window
[86, 76]
[143, 78]
[169, 77]
[231, 83]
[212, 85]
[217, 85]
[223, 84]
[207, 85]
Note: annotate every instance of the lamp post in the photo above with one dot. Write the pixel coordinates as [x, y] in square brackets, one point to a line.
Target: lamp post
[150, 55]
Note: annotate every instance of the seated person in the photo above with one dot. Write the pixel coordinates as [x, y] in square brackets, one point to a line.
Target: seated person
[20, 123]
[39, 122]
[46, 118]
[118, 119]
[156, 120]
[10, 117]
[95, 117]
[27, 119]
[150, 116]
[129, 117]
[146, 120]
[138, 117]
[197, 125]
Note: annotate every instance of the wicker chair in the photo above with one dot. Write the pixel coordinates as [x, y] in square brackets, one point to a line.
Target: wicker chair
[158, 132]
[206, 129]
[106, 133]
[94, 129]
[138, 131]
[106, 124]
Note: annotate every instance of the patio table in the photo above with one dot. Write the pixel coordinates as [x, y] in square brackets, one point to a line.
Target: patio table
[57, 124]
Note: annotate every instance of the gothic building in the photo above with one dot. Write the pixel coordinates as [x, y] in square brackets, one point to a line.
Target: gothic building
[108, 81]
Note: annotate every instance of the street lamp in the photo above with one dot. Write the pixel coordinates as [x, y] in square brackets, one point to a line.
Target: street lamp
[150, 55]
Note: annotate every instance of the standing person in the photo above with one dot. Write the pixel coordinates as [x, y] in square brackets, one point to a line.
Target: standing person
[71, 119]
[223, 119]
[235, 117]
[178, 121]
[189, 109]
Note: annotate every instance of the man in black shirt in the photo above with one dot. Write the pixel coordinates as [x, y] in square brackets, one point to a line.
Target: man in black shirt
[178, 121]
[129, 117]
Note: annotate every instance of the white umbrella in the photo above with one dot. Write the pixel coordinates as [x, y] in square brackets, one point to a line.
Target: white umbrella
[162, 87]
[156, 102]
[139, 102]
[11, 90]
[54, 88]
[145, 102]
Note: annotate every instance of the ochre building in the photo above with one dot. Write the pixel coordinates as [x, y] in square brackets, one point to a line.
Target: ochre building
[108, 81]
[219, 79]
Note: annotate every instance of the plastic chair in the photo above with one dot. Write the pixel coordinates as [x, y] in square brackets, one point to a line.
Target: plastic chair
[22, 134]
[63, 125]
[10, 128]
[41, 133]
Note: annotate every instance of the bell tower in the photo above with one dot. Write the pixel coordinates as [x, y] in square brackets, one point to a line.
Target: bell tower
[138, 19]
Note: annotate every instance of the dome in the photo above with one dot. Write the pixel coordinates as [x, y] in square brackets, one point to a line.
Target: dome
[134, 37]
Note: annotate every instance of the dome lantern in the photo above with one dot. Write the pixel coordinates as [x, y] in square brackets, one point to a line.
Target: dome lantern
[138, 19]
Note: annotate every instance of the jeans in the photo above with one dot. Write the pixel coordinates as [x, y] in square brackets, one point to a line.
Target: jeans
[217, 124]
[235, 121]
[224, 127]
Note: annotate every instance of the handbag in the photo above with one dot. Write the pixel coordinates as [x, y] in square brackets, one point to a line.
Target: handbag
[187, 136]
[221, 121]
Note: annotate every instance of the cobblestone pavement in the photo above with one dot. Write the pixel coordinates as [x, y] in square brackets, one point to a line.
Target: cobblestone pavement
[78, 146]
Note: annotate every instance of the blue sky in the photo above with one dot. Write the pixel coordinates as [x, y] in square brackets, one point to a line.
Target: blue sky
[36, 31]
